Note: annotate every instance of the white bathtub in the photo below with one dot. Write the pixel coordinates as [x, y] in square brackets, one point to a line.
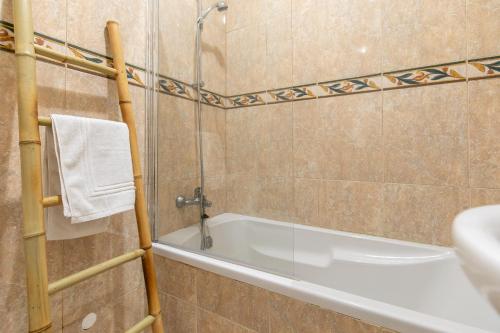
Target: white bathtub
[400, 285]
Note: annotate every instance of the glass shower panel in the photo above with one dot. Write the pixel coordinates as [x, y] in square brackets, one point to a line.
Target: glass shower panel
[247, 153]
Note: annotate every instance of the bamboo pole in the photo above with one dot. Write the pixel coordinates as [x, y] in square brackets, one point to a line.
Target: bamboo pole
[51, 54]
[140, 202]
[31, 167]
[86, 274]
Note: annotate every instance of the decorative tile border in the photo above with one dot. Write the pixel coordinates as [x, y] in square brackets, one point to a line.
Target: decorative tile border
[351, 86]
[424, 76]
[175, 88]
[252, 99]
[486, 67]
[474, 69]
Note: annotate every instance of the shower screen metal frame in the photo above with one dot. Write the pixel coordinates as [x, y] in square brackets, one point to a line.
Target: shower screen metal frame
[151, 129]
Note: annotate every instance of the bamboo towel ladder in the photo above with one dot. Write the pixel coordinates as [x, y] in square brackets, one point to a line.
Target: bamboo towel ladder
[33, 201]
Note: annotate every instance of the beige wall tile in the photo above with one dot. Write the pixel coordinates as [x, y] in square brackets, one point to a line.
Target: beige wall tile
[178, 315]
[270, 197]
[422, 32]
[259, 140]
[274, 198]
[176, 279]
[214, 141]
[241, 194]
[243, 13]
[274, 140]
[306, 202]
[91, 96]
[291, 315]
[209, 322]
[13, 309]
[425, 135]
[338, 52]
[482, 197]
[346, 324]
[87, 22]
[176, 36]
[483, 24]
[246, 59]
[240, 302]
[177, 139]
[422, 213]
[241, 141]
[352, 206]
[339, 138]
[49, 17]
[484, 108]
[279, 44]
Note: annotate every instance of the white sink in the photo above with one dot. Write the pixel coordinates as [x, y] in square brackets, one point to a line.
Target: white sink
[476, 233]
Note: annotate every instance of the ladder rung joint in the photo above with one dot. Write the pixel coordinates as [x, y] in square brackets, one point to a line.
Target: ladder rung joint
[143, 324]
[85, 274]
[55, 200]
[25, 54]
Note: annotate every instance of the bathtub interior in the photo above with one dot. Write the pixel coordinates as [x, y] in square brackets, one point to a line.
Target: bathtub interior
[422, 278]
[265, 246]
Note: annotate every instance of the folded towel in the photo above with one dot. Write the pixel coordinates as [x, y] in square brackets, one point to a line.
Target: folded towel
[92, 170]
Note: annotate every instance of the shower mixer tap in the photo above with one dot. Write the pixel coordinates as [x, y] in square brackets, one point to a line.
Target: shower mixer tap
[182, 201]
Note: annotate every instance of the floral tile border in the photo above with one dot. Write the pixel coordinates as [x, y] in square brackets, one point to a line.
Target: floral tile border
[135, 74]
[453, 72]
[424, 76]
[169, 86]
[351, 86]
[251, 99]
[486, 67]
[213, 99]
[176, 88]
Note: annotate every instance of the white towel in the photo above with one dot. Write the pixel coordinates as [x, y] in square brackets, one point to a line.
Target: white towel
[90, 165]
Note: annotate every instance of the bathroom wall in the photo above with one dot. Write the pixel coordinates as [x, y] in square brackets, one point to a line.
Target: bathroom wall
[116, 296]
[178, 164]
[376, 117]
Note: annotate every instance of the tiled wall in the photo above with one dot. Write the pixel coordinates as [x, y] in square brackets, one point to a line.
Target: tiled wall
[389, 151]
[116, 296]
[195, 300]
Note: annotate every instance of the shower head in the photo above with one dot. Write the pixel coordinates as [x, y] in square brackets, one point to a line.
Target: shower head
[220, 6]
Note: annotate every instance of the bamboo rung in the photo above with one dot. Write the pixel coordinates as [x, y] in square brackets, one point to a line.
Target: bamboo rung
[142, 325]
[51, 54]
[55, 200]
[94, 270]
[44, 121]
